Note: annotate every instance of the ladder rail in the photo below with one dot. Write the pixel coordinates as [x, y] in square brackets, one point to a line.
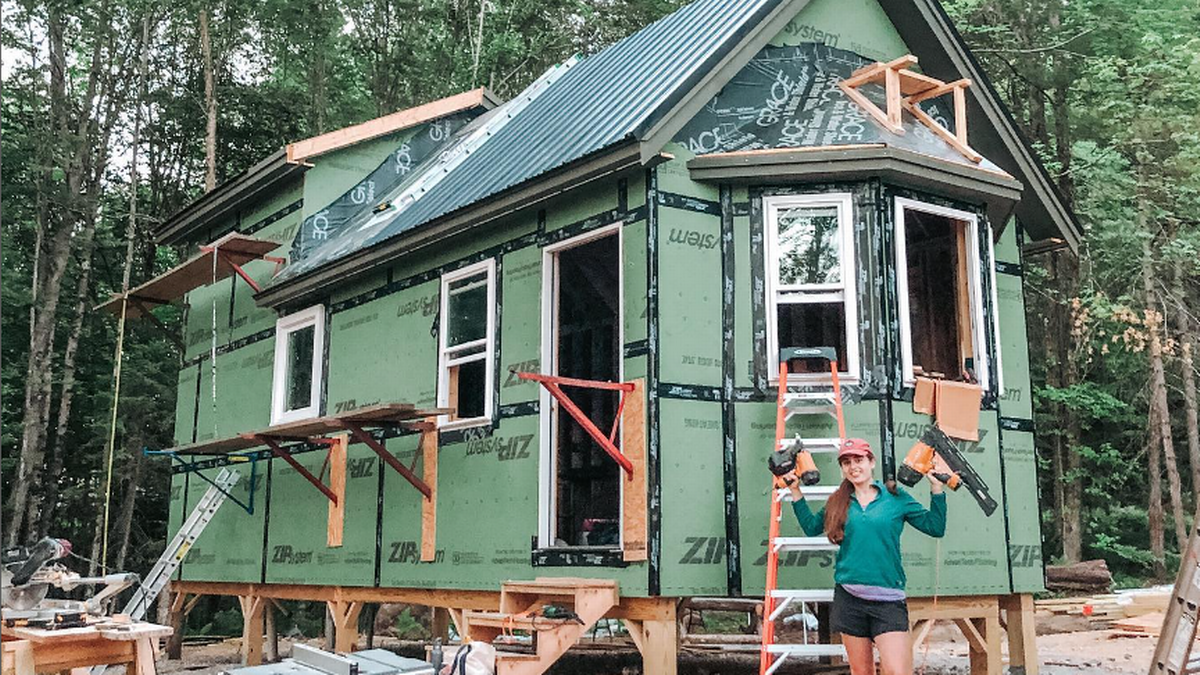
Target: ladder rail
[770, 661]
[1172, 654]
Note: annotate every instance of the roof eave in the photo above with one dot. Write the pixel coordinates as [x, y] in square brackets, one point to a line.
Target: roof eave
[224, 199]
[1024, 164]
[312, 286]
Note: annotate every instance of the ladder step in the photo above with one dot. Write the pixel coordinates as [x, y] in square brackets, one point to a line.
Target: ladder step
[810, 492]
[812, 444]
[804, 595]
[807, 650]
[811, 410]
[809, 396]
[804, 544]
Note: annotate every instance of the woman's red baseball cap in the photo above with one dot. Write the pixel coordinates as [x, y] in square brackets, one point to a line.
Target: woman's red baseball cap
[855, 447]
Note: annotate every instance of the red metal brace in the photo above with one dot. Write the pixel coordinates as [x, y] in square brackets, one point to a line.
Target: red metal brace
[363, 437]
[286, 456]
[552, 382]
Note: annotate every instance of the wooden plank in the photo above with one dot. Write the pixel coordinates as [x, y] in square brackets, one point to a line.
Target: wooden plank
[337, 483]
[962, 297]
[941, 90]
[873, 110]
[891, 82]
[17, 658]
[942, 132]
[299, 151]
[144, 664]
[429, 458]
[633, 495]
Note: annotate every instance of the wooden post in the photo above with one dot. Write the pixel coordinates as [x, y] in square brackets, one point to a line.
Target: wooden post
[345, 624]
[440, 625]
[660, 642]
[429, 450]
[145, 657]
[633, 497]
[1022, 638]
[271, 651]
[983, 635]
[252, 629]
[337, 483]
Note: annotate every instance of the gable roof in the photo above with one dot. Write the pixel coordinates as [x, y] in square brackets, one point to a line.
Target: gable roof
[290, 161]
[640, 91]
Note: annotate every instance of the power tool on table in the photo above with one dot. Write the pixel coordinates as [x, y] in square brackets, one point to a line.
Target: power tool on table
[26, 575]
[794, 459]
[935, 444]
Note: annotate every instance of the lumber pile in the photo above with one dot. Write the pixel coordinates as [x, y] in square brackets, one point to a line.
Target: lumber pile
[1147, 625]
[1089, 576]
[1105, 609]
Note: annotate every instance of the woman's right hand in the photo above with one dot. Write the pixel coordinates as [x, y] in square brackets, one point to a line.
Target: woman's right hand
[792, 483]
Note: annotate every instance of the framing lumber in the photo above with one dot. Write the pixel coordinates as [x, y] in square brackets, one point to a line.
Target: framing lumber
[345, 623]
[232, 250]
[429, 455]
[1022, 637]
[252, 629]
[978, 618]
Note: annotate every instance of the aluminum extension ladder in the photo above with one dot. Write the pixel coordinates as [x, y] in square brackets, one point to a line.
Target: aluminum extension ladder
[825, 400]
[199, 518]
[1172, 656]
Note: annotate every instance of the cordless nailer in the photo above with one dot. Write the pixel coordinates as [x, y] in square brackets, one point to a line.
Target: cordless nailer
[794, 459]
[920, 461]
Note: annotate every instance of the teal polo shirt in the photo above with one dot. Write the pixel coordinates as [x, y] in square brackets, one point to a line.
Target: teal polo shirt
[870, 552]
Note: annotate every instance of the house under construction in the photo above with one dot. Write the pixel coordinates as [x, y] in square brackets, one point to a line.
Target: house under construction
[385, 324]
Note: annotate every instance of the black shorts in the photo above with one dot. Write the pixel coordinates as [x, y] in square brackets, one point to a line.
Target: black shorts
[851, 615]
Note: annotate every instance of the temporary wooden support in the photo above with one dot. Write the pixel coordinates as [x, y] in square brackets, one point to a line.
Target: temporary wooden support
[361, 436]
[429, 459]
[278, 450]
[345, 623]
[903, 90]
[253, 627]
[1022, 637]
[337, 484]
[978, 618]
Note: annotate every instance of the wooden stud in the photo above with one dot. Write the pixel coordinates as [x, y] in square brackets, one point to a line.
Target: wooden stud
[633, 496]
[920, 631]
[456, 615]
[865, 103]
[429, 453]
[1022, 638]
[940, 90]
[660, 646]
[960, 114]
[942, 132]
[440, 625]
[891, 81]
[252, 629]
[971, 632]
[962, 297]
[337, 484]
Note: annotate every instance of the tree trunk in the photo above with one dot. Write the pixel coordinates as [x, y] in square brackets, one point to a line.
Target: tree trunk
[1154, 513]
[210, 106]
[1158, 387]
[125, 522]
[1185, 328]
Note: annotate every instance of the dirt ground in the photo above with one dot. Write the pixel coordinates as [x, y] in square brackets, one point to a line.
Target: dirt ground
[1076, 651]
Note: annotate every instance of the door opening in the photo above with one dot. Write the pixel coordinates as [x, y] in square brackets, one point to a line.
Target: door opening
[586, 345]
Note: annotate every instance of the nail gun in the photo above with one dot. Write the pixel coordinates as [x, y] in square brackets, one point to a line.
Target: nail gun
[920, 461]
[794, 459]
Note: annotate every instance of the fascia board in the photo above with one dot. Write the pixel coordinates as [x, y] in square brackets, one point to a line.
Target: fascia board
[294, 291]
[661, 127]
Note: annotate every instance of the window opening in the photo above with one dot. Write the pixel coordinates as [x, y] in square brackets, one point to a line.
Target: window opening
[587, 346]
[299, 342]
[810, 279]
[467, 337]
[940, 306]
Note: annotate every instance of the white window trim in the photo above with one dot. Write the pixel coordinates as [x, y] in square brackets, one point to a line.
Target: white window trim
[999, 367]
[848, 294]
[547, 405]
[489, 342]
[312, 316]
[982, 361]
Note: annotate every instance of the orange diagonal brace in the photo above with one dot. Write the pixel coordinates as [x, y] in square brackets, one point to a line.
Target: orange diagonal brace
[551, 383]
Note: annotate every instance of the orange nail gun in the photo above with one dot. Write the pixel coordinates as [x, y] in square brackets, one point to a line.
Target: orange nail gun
[920, 461]
[794, 459]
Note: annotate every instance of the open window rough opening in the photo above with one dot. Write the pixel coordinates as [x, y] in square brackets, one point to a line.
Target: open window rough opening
[466, 341]
[810, 269]
[587, 482]
[939, 293]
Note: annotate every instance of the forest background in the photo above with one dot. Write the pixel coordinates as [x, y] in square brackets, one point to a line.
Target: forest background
[116, 113]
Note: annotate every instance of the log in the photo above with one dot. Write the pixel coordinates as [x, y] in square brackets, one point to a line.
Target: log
[1091, 576]
[723, 604]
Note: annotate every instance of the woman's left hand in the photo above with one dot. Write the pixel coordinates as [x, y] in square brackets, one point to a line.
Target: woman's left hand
[935, 485]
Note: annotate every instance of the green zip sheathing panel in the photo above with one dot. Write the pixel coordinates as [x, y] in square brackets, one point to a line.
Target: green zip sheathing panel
[689, 297]
[200, 323]
[860, 26]
[693, 496]
[231, 546]
[383, 351]
[520, 325]
[636, 312]
[243, 401]
[176, 502]
[297, 534]
[185, 404]
[1016, 412]
[248, 318]
[335, 173]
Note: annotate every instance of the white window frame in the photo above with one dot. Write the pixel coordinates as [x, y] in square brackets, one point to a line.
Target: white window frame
[547, 405]
[445, 362]
[999, 367]
[845, 292]
[284, 327]
[974, 282]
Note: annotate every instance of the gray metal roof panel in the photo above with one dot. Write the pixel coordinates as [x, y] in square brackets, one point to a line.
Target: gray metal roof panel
[602, 100]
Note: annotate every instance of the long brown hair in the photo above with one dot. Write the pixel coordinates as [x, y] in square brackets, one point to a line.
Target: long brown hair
[837, 509]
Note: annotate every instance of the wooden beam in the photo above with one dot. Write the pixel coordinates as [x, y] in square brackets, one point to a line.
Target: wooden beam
[971, 632]
[252, 629]
[429, 454]
[942, 132]
[660, 644]
[345, 624]
[940, 90]
[865, 103]
[891, 82]
[633, 495]
[920, 631]
[1022, 637]
[336, 458]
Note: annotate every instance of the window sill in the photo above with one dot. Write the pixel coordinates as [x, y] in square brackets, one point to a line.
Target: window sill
[295, 416]
[464, 424]
[578, 556]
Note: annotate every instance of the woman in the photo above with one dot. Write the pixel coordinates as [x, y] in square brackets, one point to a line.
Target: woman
[866, 519]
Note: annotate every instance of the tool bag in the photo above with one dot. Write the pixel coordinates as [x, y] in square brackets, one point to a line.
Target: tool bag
[474, 658]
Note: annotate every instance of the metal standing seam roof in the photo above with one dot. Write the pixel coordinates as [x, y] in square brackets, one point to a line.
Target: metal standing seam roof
[605, 99]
